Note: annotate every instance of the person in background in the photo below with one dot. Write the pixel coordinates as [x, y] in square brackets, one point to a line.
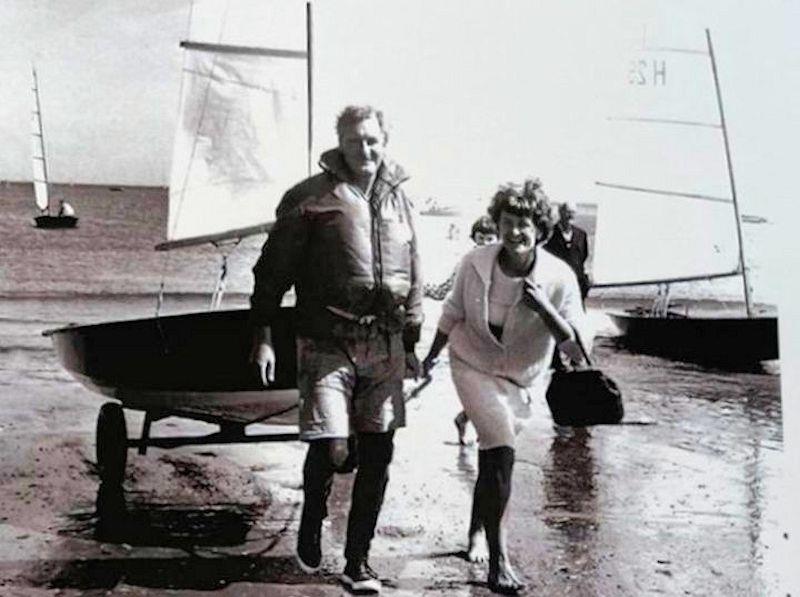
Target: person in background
[345, 239]
[511, 306]
[65, 209]
[483, 232]
[569, 242]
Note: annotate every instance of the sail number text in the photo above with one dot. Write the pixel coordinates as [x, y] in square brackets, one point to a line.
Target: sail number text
[652, 73]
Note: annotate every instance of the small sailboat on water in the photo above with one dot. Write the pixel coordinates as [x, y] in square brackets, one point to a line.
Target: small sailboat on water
[49, 217]
[669, 213]
[243, 137]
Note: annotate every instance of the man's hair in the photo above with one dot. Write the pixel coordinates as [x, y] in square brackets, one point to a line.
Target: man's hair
[484, 225]
[526, 201]
[352, 115]
[567, 205]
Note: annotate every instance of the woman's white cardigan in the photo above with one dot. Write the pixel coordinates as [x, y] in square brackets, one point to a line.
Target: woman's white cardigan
[526, 351]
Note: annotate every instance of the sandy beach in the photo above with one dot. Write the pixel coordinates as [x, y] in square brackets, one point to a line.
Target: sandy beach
[686, 499]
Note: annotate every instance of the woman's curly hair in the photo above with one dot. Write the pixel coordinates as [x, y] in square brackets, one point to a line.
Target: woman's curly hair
[527, 200]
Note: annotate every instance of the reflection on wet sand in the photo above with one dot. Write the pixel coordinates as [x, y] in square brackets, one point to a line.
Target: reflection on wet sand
[570, 499]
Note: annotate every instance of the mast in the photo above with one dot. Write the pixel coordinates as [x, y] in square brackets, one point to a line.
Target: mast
[39, 147]
[747, 298]
[310, 78]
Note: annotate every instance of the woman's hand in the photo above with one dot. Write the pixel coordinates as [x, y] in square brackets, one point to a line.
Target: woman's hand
[430, 360]
[534, 297]
[428, 363]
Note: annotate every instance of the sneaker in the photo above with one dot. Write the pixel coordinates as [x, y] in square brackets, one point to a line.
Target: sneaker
[308, 553]
[359, 577]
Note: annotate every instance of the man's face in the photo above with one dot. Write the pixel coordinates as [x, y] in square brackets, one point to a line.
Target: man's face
[566, 213]
[363, 145]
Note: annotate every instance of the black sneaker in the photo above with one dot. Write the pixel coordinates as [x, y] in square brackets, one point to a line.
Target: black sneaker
[359, 577]
[308, 552]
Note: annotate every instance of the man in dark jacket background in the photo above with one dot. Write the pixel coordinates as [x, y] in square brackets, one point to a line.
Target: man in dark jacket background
[345, 239]
[570, 243]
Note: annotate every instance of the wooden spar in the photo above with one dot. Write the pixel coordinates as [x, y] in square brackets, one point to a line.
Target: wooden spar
[742, 263]
[310, 77]
[703, 277]
[236, 234]
[241, 50]
[624, 187]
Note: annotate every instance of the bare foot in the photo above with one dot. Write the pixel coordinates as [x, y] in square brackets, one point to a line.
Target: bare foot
[461, 425]
[476, 548]
[504, 580]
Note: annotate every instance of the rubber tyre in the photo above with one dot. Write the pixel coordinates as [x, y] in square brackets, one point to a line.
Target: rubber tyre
[112, 443]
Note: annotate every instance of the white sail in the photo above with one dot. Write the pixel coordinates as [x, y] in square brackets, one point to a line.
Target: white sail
[241, 137]
[665, 208]
[37, 151]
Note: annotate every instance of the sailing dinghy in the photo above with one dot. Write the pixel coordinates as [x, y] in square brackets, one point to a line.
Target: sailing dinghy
[243, 138]
[669, 214]
[64, 216]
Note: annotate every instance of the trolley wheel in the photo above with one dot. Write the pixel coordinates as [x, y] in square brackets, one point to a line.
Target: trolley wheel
[112, 443]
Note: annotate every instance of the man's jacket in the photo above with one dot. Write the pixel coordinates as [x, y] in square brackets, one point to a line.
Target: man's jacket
[574, 253]
[353, 260]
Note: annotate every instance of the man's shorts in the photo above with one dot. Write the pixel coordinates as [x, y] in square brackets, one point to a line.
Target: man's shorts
[349, 386]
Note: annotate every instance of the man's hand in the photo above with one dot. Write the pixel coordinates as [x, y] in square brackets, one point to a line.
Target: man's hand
[262, 356]
[412, 365]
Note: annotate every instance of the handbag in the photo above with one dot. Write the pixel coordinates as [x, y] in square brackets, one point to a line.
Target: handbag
[584, 397]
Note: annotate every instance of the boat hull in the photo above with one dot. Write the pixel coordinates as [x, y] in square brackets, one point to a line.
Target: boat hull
[724, 341]
[45, 221]
[193, 365]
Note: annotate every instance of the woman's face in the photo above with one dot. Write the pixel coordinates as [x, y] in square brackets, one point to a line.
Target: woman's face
[517, 233]
[484, 238]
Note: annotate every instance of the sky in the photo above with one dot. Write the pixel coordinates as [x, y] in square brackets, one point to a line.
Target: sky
[477, 92]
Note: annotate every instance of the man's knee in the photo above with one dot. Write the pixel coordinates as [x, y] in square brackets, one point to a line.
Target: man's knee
[338, 451]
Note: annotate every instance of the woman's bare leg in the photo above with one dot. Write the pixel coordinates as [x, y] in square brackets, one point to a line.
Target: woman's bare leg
[495, 467]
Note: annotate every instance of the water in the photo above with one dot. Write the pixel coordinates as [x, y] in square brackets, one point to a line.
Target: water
[112, 249]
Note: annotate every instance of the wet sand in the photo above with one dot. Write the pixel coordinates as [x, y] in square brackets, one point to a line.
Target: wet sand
[686, 499]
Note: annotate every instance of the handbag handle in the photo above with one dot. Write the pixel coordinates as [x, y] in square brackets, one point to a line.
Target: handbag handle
[583, 348]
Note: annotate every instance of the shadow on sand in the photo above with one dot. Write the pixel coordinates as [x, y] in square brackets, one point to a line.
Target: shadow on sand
[222, 546]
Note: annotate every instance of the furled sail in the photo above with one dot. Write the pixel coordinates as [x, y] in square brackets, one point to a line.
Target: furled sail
[665, 206]
[242, 131]
[37, 151]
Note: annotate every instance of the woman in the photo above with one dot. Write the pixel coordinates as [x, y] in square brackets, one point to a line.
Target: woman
[483, 232]
[511, 305]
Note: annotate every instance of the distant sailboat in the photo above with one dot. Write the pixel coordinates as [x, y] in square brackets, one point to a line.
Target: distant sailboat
[668, 211]
[243, 138]
[433, 208]
[64, 216]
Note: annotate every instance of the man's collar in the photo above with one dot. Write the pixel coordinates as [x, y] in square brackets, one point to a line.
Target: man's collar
[389, 173]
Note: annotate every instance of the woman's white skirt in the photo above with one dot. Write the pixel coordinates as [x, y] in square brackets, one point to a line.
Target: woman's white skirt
[497, 407]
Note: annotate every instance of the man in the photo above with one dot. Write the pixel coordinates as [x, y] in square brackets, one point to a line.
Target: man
[569, 243]
[345, 239]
